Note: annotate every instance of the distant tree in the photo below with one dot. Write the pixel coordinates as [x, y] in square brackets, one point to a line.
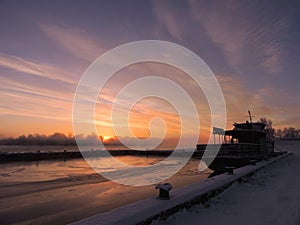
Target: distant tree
[279, 133]
[21, 140]
[291, 133]
[269, 124]
[288, 133]
[37, 139]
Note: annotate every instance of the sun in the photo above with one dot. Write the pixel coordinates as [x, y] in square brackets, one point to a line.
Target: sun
[105, 138]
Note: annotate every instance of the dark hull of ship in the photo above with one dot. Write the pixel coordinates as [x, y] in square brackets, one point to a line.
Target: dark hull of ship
[223, 164]
[233, 155]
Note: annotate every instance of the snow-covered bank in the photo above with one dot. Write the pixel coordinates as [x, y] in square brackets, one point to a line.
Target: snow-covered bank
[151, 208]
[270, 196]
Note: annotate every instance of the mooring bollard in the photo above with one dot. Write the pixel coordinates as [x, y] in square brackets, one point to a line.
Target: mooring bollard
[164, 190]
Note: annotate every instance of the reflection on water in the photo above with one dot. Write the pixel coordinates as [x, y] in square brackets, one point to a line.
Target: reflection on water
[56, 169]
[60, 192]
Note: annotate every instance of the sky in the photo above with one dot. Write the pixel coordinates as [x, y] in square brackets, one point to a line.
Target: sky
[252, 47]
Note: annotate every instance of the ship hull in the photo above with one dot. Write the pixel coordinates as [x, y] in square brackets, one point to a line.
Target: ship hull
[222, 164]
[232, 155]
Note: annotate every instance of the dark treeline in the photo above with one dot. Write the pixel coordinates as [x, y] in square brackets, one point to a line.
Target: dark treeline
[288, 133]
[285, 133]
[37, 139]
[57, 139]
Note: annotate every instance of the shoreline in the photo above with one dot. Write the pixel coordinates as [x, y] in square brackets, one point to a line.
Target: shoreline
[63, 155]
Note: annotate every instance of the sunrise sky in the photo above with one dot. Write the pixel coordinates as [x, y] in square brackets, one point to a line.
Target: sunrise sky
[45, 46]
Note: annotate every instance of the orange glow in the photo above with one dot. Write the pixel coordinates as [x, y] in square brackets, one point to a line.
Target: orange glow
[143, 111]
[28, 114]
[106, 138]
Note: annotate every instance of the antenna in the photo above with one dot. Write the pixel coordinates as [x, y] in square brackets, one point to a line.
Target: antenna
[250, 115]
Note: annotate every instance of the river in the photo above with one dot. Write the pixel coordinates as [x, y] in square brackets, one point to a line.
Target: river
[59, 192]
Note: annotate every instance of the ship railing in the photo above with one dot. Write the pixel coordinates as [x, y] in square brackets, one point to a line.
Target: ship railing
[233, 148]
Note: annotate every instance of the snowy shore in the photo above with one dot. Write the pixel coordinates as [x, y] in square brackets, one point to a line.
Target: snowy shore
[270, 196]
[61, 192]
[267, 197]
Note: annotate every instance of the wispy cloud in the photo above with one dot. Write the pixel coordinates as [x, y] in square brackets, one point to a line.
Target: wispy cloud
[143, 111]
[36, 98]
[30, 88]
[32, 103]
[220, 28]
[240, 98]
[272, 59]
[248, 43]
[245, 34]
[37, 69]
[168, 18]
[76, 41]
[273, 49]
[266, 101]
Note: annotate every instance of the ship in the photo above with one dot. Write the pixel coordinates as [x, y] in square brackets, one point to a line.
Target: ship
[245, 144]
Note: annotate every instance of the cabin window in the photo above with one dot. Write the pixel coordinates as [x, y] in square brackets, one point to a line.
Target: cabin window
[235, 140]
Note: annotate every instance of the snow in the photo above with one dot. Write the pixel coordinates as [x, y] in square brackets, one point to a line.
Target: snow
[166, 186]
[270, 196]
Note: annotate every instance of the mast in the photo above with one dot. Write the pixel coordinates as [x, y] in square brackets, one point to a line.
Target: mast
[250, 116]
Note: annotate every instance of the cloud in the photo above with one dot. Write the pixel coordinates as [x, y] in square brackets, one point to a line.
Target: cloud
[19, 102]
[240, 98]
[267, 101]
[31, 89]
[35, 98]
[148, 108]
[273, 50]
[26, 95]
[220, 28]
[37, 69]
[272, 60]
[244, 33]
[76, 41]
[168, 18]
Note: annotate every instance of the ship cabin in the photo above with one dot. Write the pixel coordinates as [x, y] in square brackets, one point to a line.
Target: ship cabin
[244, 138]
[250, 136]
[246, 133]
